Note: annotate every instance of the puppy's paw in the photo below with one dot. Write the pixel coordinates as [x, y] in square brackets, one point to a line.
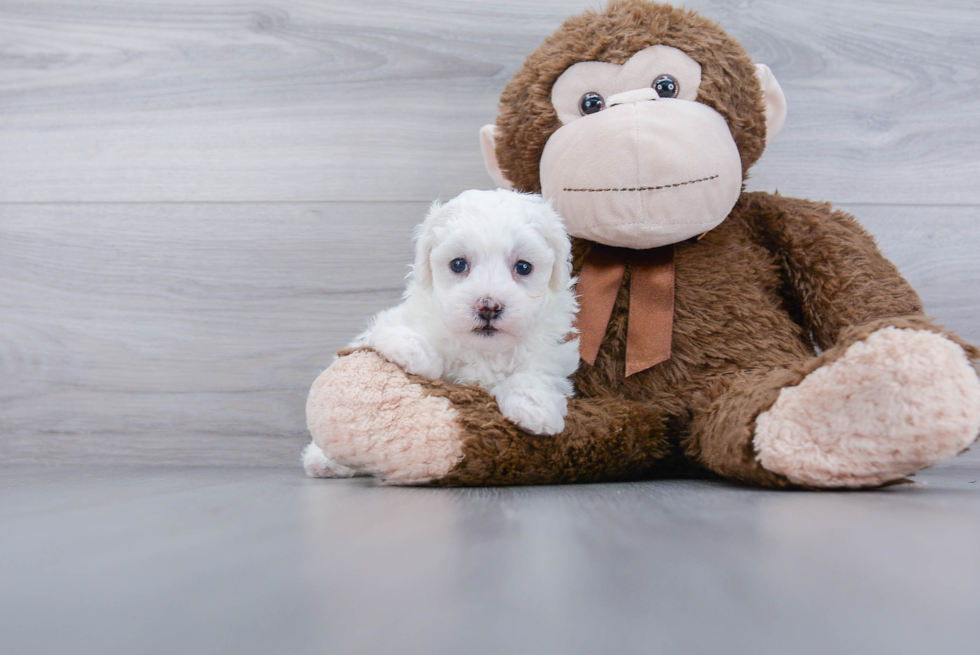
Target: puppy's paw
[537, 411]
[318, 465]
[406, 348]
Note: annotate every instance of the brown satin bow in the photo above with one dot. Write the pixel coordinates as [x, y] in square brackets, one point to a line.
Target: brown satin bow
[651, 312]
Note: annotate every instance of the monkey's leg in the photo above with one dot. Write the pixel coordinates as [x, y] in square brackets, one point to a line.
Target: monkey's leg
[880, 405]
[366, 414]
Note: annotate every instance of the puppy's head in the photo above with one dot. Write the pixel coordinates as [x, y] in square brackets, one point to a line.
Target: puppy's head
[492, 262]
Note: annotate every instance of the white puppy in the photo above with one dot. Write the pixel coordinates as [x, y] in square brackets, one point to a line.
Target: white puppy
[489, 302]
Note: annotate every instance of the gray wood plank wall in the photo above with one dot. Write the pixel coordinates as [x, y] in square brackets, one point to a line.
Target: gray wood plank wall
[201, 201]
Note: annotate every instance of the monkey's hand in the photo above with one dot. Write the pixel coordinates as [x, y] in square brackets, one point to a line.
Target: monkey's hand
[369, 416]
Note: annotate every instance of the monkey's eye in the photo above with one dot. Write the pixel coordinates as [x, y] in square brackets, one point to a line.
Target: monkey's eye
[591, 103]
[458, 265]
[666, 86]
[523, 268]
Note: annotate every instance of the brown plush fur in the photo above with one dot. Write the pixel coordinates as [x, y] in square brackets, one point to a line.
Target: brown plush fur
[755, 299]
[604, 439]
[735, 346]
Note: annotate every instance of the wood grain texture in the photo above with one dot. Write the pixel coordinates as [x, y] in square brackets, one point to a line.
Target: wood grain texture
[282, 101]
[190, 333]
[123, 561]
[180, 247]
[201, 200]
[185, 324]
[936, 250]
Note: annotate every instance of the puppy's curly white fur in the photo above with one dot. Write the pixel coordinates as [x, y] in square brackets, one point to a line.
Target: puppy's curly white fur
[489, 301]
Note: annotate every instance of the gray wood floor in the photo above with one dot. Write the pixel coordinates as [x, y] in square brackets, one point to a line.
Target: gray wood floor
[198, 560]
[200, 201]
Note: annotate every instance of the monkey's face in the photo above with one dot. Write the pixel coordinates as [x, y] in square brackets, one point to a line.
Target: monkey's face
[637, 162]
[638, 122]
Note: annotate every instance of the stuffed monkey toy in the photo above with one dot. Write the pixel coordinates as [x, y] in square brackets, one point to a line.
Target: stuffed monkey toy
[752, 336]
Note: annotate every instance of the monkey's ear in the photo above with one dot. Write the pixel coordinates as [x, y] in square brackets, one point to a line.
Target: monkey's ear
[775, 101]
[488, 145]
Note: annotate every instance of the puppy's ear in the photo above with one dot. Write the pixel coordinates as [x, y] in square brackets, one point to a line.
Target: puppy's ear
[425, 241]
[552, 228]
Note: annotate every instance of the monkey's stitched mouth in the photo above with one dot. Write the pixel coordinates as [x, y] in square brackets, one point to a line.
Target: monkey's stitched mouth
[642, 188]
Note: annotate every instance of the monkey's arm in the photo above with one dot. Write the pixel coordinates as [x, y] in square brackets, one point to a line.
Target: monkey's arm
[836, 276]
[369, 415]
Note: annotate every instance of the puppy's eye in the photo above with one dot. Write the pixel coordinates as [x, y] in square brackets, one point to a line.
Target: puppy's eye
[523, 268]
[458, 265]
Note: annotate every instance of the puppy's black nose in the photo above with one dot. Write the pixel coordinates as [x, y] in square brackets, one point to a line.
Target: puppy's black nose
[488, 308]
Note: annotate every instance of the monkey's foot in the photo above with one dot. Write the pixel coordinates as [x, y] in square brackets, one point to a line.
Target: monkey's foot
[367, 415]
[892, 404]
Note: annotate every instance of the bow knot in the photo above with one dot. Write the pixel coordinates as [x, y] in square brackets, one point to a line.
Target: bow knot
[651, 307]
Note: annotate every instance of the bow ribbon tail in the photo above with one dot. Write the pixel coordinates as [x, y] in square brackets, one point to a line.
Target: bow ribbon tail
[598, 284]
[651, 313]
